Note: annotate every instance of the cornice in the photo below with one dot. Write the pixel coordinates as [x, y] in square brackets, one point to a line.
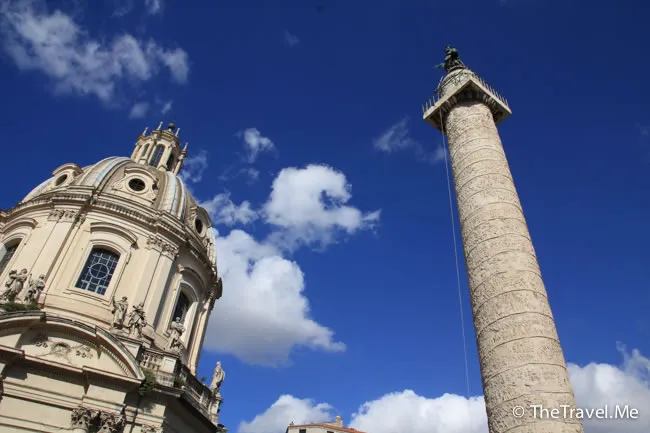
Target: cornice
[82, 198]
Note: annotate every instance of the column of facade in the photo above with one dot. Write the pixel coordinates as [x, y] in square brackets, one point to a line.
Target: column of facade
[46, 242]
[521, 360]
[142, 153]
[157, 276]
[165, 157]
[197, 342]
[151, 146]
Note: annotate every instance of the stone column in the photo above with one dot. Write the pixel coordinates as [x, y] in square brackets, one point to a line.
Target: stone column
[520, 356]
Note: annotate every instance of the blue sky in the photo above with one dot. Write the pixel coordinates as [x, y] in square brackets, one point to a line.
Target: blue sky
[329, 193]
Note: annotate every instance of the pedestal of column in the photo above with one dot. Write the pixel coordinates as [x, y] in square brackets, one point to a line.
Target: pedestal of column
[522, 364]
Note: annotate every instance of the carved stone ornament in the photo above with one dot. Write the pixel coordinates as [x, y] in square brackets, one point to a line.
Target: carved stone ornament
[82, 418]
[65, 215]
[55, 215]
[62, 349]
[102, 422]
[121, 185]
[69, 215]
[118, 310]
[217, 378]
[14, 284]
[160, 244]
[34, 289]
[151, 429]
[176, 331]
[111, 423]
[137, 320]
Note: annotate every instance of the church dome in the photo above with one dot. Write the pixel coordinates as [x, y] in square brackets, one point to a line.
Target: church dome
[147, 182]
[122, 233]
[110, 276]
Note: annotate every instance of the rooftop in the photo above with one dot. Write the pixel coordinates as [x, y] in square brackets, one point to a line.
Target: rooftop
[330, 426]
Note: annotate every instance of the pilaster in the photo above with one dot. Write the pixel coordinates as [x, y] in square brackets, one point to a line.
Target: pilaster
[196, 343]
[157, 276]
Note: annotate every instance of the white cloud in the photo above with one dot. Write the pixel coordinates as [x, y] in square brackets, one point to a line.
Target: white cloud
[223, 211]
[394, 138]
[291, 40]
[250, 173]
[55, 45]
[122, 7]
[139, 110]
[263, 313]
[407, 411]
[194, 167]
[255, 143]
[166, 107]
[595, 386]
[177, 61]
[285, 410]
[397, 138]
[308, 206]
[153, 7]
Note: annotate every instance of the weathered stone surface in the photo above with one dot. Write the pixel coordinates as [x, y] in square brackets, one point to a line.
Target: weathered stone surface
[519, 351]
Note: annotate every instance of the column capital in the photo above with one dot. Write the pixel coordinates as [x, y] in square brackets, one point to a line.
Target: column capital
[82, 417]
[463, 85]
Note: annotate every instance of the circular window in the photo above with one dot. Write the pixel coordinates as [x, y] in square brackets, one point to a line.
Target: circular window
[99, 271]
[136, 184]
[60, 180]
[198, 225]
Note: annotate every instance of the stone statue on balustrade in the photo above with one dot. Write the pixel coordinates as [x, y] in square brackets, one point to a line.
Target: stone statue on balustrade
[137, 320]
[14, 284]
[34, 289]
[217, 378]
[175, 332]
[119, 312]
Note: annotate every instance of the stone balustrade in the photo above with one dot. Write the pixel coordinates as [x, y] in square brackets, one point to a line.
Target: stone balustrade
[169, 371]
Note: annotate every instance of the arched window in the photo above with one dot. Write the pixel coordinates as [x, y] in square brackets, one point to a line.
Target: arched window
[170, 162]
[157, 154]
[7, 253]
[98, 270]
[182, 306]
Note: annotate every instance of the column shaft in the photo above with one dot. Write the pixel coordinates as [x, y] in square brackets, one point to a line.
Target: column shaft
[521, 360]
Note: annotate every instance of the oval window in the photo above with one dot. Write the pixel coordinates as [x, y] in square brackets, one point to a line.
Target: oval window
[61, 179]
[137, 184]
[198, 225]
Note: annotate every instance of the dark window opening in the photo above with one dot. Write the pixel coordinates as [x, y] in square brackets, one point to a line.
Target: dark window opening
[182, 306]
[198, 225]
[98, 271]
[137, 184]
[7, 256]
[60, 180]
[302, 430]
[170, 162]
[155, 158]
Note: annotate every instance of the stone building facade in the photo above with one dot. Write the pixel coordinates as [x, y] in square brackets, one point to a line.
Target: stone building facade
[108, 279]
[325, 427]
